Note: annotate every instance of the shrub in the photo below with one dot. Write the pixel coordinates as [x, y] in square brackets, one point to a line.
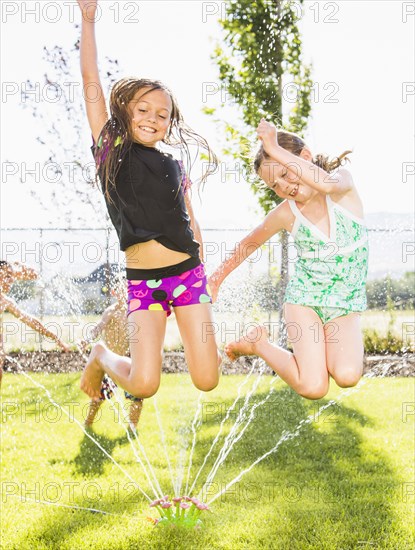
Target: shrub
[401, 292]
[379, 344]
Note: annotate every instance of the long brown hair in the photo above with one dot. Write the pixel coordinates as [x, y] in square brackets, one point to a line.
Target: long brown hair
[293, 143]
[116, 137]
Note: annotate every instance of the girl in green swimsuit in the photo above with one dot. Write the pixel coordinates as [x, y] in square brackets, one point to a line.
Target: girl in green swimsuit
[324, 297]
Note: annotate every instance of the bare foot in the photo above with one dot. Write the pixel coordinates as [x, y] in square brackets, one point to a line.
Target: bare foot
[248, 344]
[93, 373]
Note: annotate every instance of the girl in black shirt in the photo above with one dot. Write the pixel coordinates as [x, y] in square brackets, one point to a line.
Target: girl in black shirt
[145, 192]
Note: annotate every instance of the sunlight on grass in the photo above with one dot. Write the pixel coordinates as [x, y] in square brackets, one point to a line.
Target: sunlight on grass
[346, 481]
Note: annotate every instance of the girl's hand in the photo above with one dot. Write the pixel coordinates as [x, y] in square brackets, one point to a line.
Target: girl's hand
[267, 133]
[88, 8]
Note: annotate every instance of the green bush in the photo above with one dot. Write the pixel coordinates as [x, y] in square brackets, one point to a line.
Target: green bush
[401, 292]
[379, 344]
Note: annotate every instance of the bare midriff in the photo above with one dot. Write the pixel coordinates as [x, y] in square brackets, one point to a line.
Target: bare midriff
[151, 255]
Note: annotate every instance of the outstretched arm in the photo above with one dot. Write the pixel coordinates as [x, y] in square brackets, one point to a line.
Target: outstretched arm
[274, 222]
[31, 322]
[94, 96]
[300, 168]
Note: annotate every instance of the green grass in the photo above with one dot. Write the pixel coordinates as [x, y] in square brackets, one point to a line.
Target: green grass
[229, 326]
[345, 482]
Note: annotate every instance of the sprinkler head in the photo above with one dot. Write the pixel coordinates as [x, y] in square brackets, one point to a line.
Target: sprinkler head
[180, 511]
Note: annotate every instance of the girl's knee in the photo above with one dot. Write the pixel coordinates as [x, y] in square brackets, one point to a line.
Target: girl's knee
[207, 383]
[144, 384]
[316, 390]
[348, 378]
[206, 377]
[144, 390]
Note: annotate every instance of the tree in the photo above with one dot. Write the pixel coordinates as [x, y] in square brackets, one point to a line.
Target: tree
[259, 64]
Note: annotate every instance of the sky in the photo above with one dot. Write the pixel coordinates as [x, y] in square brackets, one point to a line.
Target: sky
[363, 69]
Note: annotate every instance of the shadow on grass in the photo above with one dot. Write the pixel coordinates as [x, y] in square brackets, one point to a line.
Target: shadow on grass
[327, 488]
[90, 461]
[63, 392]
[326, 478]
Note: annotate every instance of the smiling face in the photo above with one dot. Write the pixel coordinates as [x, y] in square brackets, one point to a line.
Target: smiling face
[285, 183]
[150, 116]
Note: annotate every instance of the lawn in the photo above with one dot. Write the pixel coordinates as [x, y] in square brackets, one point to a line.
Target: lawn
[344, 482]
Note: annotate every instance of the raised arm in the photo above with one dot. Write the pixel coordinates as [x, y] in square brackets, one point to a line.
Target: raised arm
[96, 109]
[301, 168]
[274, 222]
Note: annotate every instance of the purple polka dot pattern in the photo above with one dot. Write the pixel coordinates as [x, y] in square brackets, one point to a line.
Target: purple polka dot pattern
[186, 289]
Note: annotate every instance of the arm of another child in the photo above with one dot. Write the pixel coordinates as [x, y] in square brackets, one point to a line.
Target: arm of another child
[94, 97]
[10, 306]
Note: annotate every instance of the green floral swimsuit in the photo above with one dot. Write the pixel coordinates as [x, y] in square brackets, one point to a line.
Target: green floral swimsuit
[330, 272]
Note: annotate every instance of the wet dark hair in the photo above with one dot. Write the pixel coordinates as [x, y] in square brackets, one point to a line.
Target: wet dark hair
[117, 137]
[293, 143]
[4, 264]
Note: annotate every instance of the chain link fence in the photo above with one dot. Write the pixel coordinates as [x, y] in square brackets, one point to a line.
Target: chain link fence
[76, 267]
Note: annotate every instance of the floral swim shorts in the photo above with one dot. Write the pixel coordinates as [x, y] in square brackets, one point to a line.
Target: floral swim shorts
[162, 294]
[107, 390]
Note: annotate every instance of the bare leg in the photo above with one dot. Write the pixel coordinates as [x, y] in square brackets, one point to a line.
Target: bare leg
[202, 356]
[304, 370]
[93, 373]
[344, 349]
[138, 375]
[135, 412]
[93, 408]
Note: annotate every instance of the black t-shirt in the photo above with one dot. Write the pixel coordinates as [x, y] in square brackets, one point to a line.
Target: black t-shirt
[147, 201]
